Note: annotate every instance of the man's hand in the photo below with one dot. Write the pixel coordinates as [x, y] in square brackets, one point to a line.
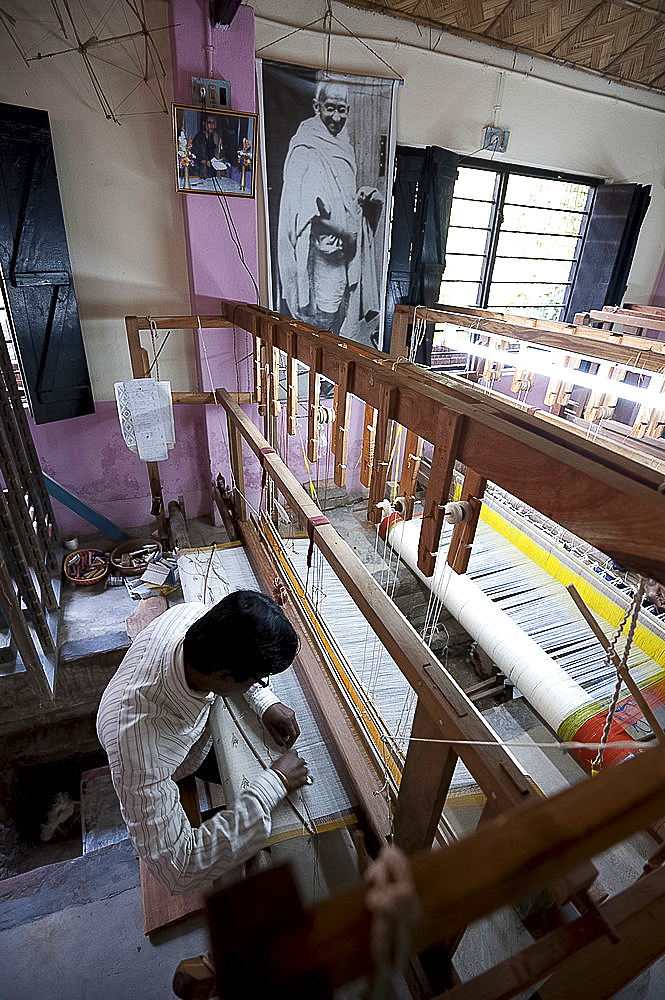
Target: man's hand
[280, 722]
[292, 769]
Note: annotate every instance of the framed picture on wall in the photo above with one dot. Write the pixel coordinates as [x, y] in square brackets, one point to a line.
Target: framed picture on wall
[215, 151]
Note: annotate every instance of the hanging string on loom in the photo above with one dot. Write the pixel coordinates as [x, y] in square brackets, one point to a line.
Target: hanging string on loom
[632, 613]
[503, 745]
[223, 428]
[156, 353]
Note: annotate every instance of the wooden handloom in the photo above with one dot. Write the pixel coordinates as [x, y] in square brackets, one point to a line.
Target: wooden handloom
[613, 502]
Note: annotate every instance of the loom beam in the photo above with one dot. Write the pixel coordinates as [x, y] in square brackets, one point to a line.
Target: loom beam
[613, 502]
[576, 337]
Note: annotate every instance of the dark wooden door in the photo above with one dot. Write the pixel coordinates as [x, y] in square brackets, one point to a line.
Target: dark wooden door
[37, 271]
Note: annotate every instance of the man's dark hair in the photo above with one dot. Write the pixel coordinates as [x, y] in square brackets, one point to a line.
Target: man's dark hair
[245, 634]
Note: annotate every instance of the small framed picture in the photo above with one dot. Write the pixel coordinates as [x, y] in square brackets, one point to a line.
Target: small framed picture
[215, 151]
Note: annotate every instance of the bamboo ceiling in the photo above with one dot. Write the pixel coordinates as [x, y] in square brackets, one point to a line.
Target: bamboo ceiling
[622, 40]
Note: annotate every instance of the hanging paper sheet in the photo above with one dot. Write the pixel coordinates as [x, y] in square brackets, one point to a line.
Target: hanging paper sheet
[145, 411]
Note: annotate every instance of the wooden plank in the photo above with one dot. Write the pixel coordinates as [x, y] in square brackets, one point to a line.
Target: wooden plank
[464, 532]
[627, 317]
[426, 776]
[583, 340]
[639, 905]
[160, 907]
[600, 969]
[399, 334]
[208, 397]
[178, 322]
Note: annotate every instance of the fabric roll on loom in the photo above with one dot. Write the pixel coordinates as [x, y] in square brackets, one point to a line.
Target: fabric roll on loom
[570, 711]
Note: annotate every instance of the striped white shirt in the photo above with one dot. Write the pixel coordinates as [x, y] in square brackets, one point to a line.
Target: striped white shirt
[154, 729]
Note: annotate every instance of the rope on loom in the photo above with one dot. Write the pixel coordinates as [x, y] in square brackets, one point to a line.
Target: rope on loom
[396, 911]
[155, 352]
[633, 613]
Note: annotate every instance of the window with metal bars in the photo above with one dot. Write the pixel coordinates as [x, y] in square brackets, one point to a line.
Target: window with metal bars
[514, 239]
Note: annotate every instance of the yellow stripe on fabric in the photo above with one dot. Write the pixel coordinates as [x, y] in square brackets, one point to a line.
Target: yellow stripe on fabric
[599, 603]
[333, 824]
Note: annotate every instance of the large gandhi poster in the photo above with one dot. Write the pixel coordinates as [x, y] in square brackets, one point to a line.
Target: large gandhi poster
[328, 162]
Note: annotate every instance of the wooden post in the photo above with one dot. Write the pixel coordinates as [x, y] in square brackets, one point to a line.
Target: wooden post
[464, 532]
[237, 470]
[438, 489]
[258, 381]
[314, 403]
[377, 489]
[426, 776]
[413, 449]
[342, 417]
[369, 437]
[399, 334]
[291, 385]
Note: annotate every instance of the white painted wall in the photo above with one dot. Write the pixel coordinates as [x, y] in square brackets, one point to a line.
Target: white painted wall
[559, 118]
[122, 213]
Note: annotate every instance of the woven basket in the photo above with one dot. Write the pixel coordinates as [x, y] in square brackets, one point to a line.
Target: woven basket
[85, 567]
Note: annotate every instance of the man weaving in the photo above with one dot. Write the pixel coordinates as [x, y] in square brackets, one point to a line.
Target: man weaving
[153, 723]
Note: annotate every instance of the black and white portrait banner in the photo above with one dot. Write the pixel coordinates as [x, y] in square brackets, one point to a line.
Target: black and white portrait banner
[328, 151]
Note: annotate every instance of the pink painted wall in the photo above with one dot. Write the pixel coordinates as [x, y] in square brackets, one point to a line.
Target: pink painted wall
[216, 269]
[89, 457]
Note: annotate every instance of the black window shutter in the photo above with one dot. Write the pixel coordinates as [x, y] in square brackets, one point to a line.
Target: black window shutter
[603, 267]
[422, 200]
[408, 168]
[37, 270]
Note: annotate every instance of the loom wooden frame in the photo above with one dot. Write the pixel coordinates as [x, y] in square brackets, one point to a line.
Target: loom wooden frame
[614, 502]
[540, 841]
[534, 845]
